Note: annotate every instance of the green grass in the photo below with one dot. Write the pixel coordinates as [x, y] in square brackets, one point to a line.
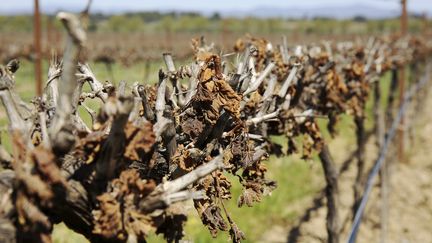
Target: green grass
[137, 72]
[62, 234]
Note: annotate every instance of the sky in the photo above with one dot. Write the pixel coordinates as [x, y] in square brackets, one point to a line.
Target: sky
[206, 6]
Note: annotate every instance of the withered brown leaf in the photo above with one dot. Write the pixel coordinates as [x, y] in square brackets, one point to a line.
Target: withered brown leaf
[140, 140]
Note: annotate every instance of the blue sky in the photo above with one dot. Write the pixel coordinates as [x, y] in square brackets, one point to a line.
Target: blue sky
[14, 6]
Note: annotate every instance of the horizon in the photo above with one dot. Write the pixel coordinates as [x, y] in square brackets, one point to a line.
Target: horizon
[224, 7]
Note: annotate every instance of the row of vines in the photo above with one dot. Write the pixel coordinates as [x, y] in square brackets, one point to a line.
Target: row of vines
[151, 147]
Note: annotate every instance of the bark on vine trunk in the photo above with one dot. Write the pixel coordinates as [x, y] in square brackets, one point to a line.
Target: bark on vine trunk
[379, 135]
[358, 184]
[391, 97]
[331, 176]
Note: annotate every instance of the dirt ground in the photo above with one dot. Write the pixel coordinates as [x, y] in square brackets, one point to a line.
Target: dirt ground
[409, 207]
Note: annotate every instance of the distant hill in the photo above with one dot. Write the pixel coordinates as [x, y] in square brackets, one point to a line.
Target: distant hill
[337, 12]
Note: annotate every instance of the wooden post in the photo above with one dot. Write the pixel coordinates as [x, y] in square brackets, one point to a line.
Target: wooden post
[37, 48]
[404, 30]
[404, 18]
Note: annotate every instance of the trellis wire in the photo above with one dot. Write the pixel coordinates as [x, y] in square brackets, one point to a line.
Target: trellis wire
[389, 137]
